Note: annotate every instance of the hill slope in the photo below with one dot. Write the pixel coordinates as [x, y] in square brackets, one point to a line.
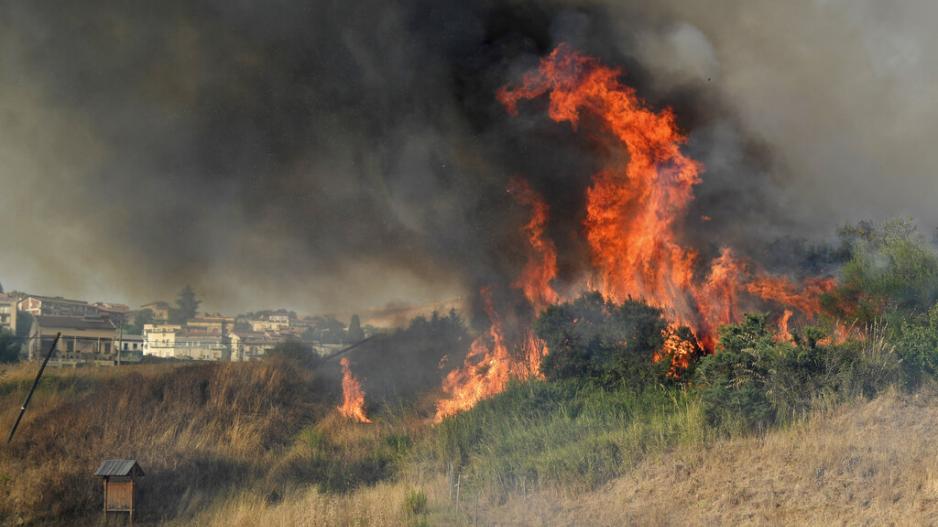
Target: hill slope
[869, 463]
[866, 463]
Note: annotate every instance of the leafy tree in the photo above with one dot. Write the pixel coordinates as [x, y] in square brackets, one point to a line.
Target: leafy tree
[294, 351]
[600, 341]
[916, 342]
[892, 270]
[187, 305]
[9, 347]
[141, 318]
[355, 332]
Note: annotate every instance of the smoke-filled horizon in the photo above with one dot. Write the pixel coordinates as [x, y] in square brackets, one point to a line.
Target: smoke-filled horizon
[329, 157]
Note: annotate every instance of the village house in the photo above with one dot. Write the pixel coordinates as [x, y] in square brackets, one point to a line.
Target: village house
[129, 347]
[63, 307]
[7, 313]
[251, 345]
[273, 323]
[159, 340]
[83, 338]
[211, 324]
[199, 346]
[56, 306]
[159, 309]
[203, 338]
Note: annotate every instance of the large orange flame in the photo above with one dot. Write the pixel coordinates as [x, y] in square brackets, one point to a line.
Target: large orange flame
[541, 265]
[485, 372]
[489, 365]
[633, 210]
[353, 398]
[633, 214]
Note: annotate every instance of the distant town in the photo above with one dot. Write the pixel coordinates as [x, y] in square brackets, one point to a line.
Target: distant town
[105, 334]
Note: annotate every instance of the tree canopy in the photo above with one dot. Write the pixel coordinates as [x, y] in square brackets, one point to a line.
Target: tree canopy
[594, 339]
[187, 306]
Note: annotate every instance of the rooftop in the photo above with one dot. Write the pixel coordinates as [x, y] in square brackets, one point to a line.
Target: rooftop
[53, 321]
[119, 468]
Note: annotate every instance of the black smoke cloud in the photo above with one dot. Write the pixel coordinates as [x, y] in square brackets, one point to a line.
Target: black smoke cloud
[338, 155]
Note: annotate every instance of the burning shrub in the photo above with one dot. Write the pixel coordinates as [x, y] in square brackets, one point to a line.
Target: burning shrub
[599, 341]
[754, 380]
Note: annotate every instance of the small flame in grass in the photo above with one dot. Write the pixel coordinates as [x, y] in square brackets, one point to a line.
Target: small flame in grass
[353, 398]
[784, 333]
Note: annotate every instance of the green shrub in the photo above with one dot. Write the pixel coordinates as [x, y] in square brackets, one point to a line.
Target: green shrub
[753, 381]
[415, 503]
[602, 342]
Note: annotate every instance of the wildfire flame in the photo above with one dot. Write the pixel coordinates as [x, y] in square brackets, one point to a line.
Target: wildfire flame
[784, 333]
[489, 365]
[633, 210]
[633, 214]
[541, 265]
[353, 398]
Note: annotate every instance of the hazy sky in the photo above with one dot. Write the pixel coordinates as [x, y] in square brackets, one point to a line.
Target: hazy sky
[330, 157]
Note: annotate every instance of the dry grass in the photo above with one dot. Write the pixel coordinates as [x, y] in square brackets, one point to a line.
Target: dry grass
[866, 463]
[382, 505]
[197, 430]
[870, 463]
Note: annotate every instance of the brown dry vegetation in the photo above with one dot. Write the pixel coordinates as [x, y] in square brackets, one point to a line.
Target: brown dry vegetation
[865, 463]
[260, 444]
[870, 463]
[196, 430]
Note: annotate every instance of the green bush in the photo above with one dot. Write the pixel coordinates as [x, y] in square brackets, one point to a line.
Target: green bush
[753, 381]
[892, 272]
[415, 503]
[916, 341]
[605, 343]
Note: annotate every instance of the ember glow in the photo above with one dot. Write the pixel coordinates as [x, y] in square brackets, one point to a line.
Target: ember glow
[635, 211]
[353, 398]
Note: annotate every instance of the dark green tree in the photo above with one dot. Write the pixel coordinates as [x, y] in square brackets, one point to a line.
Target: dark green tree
[295, 352]
[141, 318]
[355, 332]
[9, 347]
[187, 305]
[599, 341]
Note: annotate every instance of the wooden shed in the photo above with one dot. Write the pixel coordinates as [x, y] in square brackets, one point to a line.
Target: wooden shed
[120, 491]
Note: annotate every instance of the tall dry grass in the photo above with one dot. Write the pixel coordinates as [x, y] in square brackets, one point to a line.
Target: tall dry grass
[866, 463]
[387, 504]
[196, 430]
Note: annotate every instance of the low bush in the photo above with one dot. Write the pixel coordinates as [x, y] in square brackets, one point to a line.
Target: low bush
[595, 340]
[753, 381]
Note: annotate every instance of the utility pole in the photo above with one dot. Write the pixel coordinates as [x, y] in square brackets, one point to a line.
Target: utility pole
[35, 384]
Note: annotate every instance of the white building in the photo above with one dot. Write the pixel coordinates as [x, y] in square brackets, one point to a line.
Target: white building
[159, 340]
[251, 345]
[200, 347]
[7, 313]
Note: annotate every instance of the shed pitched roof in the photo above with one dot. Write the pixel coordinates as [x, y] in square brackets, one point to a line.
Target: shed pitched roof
[119, 467]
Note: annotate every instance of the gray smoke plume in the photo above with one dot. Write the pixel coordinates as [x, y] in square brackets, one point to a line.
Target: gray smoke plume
[340, 155]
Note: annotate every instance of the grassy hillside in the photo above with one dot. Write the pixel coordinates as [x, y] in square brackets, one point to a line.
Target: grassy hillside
[195, 429]
[861, 463]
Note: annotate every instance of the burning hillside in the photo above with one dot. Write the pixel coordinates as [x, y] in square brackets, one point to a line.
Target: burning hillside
[635, 211]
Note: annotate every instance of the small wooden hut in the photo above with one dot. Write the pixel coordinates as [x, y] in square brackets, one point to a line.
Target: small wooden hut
[120, 490]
